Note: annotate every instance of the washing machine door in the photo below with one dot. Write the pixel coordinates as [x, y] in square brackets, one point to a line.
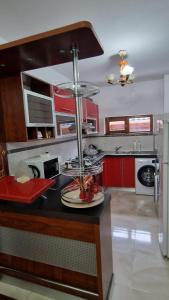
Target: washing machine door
[145, 175]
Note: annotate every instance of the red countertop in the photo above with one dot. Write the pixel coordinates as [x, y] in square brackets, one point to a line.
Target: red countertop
[27, 192]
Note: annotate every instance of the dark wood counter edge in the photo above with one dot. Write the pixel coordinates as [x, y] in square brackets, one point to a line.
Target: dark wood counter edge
[49, 48]
[47, 283]
[46, 34]
[52, 142]
[26, 215]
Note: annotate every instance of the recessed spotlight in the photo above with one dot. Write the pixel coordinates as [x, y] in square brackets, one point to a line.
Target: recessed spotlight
[62, 51]
[2, 65]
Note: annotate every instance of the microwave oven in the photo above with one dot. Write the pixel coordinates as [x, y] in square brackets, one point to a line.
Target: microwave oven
[44, 166]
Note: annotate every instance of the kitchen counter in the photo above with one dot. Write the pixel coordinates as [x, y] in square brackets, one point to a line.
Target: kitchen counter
[131, 153]
[136, 154]
[50, 206]
[56, 246]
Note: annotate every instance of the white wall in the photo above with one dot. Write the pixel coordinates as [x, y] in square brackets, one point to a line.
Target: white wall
[138, 98]
[166, 93]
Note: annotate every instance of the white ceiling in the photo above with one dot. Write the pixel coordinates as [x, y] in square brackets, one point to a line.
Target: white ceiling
[139, 26]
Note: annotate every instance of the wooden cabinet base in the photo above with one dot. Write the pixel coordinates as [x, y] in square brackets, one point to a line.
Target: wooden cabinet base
[67, 257]
[69, 289]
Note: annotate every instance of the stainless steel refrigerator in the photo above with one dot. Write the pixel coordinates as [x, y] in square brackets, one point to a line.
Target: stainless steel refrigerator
[163, 199]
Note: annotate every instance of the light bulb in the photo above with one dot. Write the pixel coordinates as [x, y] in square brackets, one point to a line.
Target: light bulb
[127, 70]
[110, 77]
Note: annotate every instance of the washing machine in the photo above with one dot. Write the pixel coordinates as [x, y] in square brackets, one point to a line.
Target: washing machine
[144, 175]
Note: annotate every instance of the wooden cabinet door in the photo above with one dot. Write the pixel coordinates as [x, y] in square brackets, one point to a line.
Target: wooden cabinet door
[39, 110]
[128, 172]
[3, 160]
[112, 175]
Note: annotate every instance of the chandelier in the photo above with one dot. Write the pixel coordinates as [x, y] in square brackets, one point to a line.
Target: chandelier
[126, 71]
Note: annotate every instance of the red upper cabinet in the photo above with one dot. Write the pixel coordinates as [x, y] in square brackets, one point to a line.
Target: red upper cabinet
[91, 109]
[68, 106]
[64, 105]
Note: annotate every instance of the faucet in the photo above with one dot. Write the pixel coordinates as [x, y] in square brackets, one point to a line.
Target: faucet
[117, 149]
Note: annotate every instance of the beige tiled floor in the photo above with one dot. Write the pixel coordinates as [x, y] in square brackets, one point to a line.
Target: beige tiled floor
[140, 272]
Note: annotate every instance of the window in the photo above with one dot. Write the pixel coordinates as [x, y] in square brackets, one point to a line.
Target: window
[115, 124]
[129, 124]
[140, 124]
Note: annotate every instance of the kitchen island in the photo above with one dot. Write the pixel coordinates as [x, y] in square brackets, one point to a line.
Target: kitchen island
[63, 248]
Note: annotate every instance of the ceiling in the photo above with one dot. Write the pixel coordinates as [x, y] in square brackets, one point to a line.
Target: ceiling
[138, 26]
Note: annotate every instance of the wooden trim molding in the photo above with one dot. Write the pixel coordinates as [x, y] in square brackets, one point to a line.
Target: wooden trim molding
[49, 48]
[50, 226]
[49, 272]
[85, 294]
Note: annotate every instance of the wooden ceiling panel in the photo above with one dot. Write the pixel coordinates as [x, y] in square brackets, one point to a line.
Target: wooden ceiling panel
[49, 48]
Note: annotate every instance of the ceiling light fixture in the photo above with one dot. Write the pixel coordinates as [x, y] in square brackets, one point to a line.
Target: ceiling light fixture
[126, 71]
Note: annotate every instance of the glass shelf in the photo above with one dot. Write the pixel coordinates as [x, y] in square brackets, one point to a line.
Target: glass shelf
[69, 90]
[95, 169]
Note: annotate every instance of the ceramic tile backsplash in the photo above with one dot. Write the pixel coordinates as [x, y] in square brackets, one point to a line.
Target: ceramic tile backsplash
[63, 150]
[109, 143]
[68, 149]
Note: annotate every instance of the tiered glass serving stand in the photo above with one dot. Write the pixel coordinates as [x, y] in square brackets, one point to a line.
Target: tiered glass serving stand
[83, 192]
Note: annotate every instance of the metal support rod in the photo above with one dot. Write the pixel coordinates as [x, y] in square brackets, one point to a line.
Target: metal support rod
[78, 110]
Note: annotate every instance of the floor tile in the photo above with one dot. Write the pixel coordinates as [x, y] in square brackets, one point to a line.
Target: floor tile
[120, 292]
[122, 240]
[129, 203]
[140, 270]
[123, 268]
[13, 291]
[150, 274]
[140, 295]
